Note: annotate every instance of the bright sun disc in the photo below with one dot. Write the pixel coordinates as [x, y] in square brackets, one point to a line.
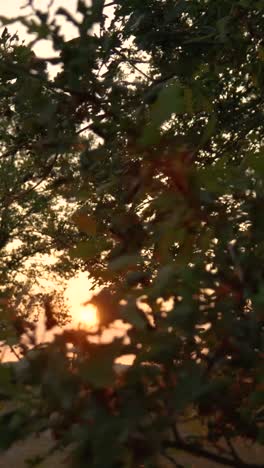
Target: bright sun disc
[88, 316]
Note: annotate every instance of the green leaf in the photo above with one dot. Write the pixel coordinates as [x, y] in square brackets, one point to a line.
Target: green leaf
[89, 248]
[134, 316]
[222, 26]
[255, 161]
[85, 249]
[98, 369]
[260, 437]
[98, 372]
[188, 98]
[97, 7]
[209, 130]
[171, 100]
[6, 376]
[163, 282]
[150, 135]
[125, 263]
[134, 278]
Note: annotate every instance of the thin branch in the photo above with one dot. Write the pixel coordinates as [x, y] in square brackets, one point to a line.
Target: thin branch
[50, 4]
[132, 64]
[87, 127]
[52, 60]
[110, 4]
[14, 351]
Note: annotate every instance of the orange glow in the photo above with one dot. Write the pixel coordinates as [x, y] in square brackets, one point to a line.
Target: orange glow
[87, 316]
[77, 294]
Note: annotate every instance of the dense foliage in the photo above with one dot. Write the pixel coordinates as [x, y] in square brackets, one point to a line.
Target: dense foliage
[151, 133]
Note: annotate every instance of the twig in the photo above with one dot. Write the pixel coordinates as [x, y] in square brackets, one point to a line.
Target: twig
[132, 64]
[14, 351]
[109, 4]
[83, 129]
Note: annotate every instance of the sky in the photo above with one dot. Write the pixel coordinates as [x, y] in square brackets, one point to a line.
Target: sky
[12, 8]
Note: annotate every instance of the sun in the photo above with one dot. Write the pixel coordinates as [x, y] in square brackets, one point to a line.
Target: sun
[77, 296]
[87, 316]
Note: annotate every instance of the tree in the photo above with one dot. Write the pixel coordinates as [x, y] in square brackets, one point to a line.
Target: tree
[34, 170]
[152, 131]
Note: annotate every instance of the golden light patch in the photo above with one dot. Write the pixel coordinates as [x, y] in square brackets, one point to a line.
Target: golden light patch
[87, 316]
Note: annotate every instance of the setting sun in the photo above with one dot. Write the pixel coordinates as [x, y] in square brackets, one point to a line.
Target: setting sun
[78, 295]
[87, 316]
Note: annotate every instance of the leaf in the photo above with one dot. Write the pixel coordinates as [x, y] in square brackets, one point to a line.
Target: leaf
[261, 54]
[85, 223]
[170, 100]
[222, 26]
[12, 427]
[98, 369]
[188, 98]
[97, 7]
[255, 161]
[99, 372]
[209, 129]
[260, 437]
[215, 179]
[125, 263]
[133, 315]
[85, 250]
[180, 315]
[190, 386]
[164, 280]
[108, 307]
[134, 278]
[6, 375]
[4, 20]
[150, 135]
